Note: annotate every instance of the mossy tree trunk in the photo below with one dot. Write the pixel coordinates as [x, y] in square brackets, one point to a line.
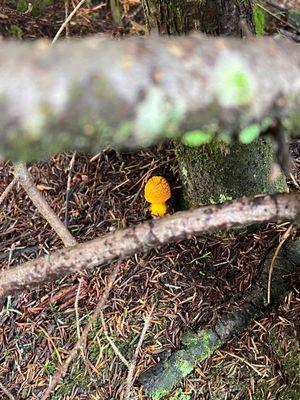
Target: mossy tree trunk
[215, 172]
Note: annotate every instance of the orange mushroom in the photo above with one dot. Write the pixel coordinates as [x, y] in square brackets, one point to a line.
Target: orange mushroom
[157, 192]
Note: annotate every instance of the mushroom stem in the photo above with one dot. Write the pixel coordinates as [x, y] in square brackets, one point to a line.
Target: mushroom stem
[158, 209]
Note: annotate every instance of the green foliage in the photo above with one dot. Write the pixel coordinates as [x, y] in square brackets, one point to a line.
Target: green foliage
[259, 20]
[22, 5]
[38, 6]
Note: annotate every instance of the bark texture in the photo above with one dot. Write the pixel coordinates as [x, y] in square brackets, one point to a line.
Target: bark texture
[160, 380]
[215, 17]
[136, 92]
[150, 234]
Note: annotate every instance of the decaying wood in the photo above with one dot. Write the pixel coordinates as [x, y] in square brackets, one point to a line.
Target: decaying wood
[136, 92]
[7, 190]
[150, 234]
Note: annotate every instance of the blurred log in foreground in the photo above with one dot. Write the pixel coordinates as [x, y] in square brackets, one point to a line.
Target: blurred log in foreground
[90, 93]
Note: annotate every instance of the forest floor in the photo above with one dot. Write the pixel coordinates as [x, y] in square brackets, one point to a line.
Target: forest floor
[188, 281]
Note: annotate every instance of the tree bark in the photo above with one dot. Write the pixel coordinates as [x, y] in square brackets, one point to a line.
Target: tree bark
[215, 17]
[215, 172]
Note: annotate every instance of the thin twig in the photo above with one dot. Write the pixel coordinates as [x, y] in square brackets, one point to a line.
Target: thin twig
[275, 16]
[76, 308]
[25, 179]
[70, 169]
[82, 347]
[66, 16]
[60, 373]
[283, 239]
[130, 376]
[7, 190]
[67, 20]
[244, 361]
[6, 392]
[110, 341]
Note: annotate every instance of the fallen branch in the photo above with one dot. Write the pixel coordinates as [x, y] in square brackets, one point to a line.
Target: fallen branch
[7, 190]
[150, 234]
[60, 373]
[141, 91]
[23, 176]
[67, 20]
[197, 346]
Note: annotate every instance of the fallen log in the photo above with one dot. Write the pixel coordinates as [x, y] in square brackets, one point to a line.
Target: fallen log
[90, 93]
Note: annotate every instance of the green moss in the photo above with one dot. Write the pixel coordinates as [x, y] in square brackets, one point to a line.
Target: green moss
[159, 394]
[184, 366]
[49, 368]
[217, 172]
[250, 133]
[196, 138]
[75, 378]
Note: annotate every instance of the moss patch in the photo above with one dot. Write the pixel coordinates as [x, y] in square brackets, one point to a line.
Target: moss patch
[217, 172]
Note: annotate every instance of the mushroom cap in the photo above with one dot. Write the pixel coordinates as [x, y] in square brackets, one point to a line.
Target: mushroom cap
[157, 190]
